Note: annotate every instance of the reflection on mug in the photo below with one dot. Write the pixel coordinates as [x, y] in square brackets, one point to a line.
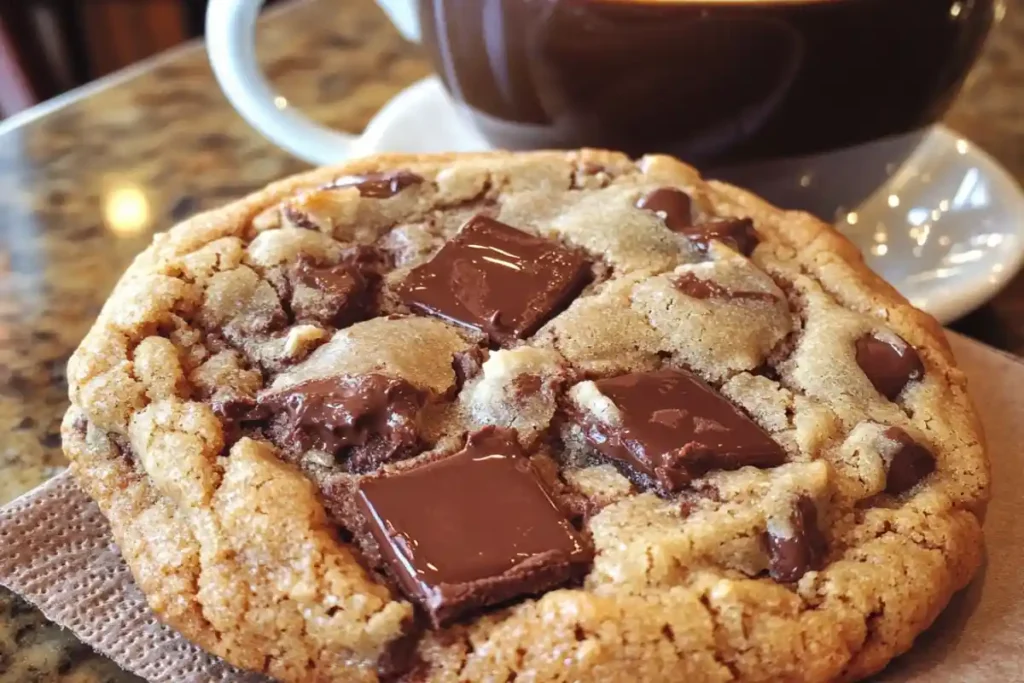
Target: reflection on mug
[621, 83]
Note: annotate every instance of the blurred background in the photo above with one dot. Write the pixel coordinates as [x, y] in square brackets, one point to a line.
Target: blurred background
[50, 46]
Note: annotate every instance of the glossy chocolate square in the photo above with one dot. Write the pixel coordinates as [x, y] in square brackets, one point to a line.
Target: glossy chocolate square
[672, 427]
[496, 279]
[471, 530]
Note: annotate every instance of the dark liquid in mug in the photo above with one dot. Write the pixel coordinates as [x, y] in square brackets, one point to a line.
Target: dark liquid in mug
[709, 81]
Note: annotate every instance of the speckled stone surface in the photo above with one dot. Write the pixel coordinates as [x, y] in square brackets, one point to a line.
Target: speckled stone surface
[84, 186]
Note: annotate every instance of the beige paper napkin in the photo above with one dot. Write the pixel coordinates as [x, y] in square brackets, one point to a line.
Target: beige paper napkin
[56, 552]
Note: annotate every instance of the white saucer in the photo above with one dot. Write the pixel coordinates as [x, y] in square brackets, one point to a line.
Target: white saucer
[933, 214]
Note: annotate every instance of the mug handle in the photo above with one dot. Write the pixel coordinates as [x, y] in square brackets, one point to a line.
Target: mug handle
[403, 15]
[231, 45]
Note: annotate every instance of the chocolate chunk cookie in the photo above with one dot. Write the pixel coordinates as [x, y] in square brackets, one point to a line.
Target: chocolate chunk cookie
[554, 416]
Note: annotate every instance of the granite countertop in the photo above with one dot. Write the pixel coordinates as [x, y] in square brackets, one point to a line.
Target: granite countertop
[85, 182]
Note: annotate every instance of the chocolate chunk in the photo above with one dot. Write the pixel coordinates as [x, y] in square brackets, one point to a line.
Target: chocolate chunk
[334, 295]
[738, 233]
[338, 295]
[372, 414]
[228, 405]
[908, 465]
[889, 366]
[693, 286]
[378, 185]
[467, 364]
[234, 409]
[472, 530]
[673, 428]
[300, 219]
[499, 280]
[368, 259]
[798, 546]
[670, 205]
[400, 656]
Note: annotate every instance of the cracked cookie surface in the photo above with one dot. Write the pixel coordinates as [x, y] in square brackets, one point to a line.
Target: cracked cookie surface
[716, 446]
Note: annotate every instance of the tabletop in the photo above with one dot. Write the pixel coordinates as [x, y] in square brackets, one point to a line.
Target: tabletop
[85, 181]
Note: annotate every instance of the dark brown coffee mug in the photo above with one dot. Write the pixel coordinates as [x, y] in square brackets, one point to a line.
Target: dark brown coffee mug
[711, 81]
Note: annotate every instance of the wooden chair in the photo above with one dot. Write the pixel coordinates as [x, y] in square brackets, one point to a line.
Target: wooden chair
[50, 46]
[35, 62]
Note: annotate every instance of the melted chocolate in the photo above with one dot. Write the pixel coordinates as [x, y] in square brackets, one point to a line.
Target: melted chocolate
[737, 233]
[670, 205]
[673, 428]
[341, 280]
[801, 549]
[468, 364]
[375, 412]
[230, 406]
[889, 367]
[911, 463]
[378, 185]
[496, 279]
[334, 295]
[337, 295]
[400, 656]
[299, 218]
[693, 286]
[471, 530]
